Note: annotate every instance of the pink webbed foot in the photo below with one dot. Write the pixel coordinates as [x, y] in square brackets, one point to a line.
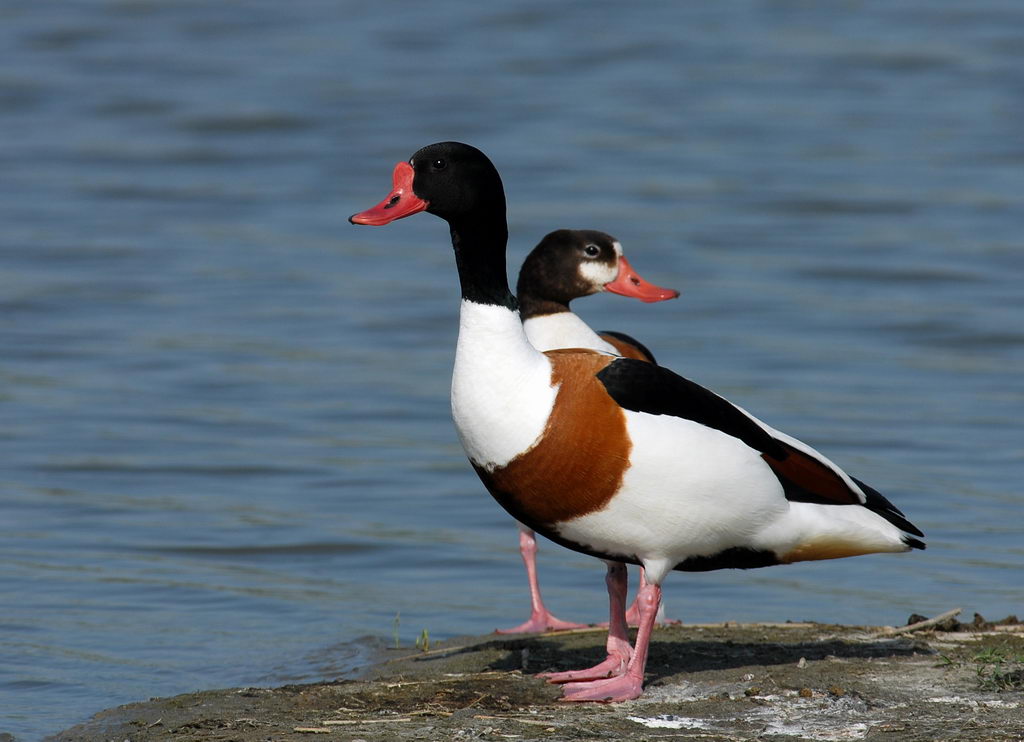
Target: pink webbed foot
[617, 646]
[630, 684]
[540, 622]
[612, 690]
[613, 666]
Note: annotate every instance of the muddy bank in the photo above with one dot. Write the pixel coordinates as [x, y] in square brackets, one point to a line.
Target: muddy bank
[721, 682]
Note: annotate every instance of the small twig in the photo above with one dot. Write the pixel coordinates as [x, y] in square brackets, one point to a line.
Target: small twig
[534, 722]
[344, 722]
[458, 677]
[927, 623]
[475, 701]
[433, 652]
[430, 712]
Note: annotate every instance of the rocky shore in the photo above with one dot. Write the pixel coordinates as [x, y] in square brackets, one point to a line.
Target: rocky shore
[795, 681]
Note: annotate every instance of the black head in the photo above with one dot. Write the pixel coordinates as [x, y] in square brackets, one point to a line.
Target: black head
[451, 180]
[458, 182]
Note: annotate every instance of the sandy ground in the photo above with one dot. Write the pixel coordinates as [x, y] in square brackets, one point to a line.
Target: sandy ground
[713, 682]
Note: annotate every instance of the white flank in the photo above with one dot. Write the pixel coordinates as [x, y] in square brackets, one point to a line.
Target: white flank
[501, 386]
[692, 490]
[563, 330]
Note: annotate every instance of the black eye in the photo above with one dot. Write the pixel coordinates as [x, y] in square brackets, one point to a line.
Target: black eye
[591, 251]
[439, 164]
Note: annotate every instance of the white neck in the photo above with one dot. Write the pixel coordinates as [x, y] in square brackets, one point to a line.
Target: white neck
[563, 330]
[501, 386]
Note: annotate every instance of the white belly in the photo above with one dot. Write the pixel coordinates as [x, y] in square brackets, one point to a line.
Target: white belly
[689, 491]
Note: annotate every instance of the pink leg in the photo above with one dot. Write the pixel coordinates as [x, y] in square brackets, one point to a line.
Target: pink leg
[619, 650]
[631, 684]
[633, 612]
[540, 619]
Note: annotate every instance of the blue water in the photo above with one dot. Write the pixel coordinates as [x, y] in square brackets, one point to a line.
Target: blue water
[225, 450]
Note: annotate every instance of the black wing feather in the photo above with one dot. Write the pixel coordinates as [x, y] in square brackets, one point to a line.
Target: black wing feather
[880, 504]
[643, 387]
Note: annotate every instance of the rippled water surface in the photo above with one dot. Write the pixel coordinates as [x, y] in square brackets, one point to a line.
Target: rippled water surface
[226, 451]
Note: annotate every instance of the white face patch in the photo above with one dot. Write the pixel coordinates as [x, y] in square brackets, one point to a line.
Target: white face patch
[597, 273]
